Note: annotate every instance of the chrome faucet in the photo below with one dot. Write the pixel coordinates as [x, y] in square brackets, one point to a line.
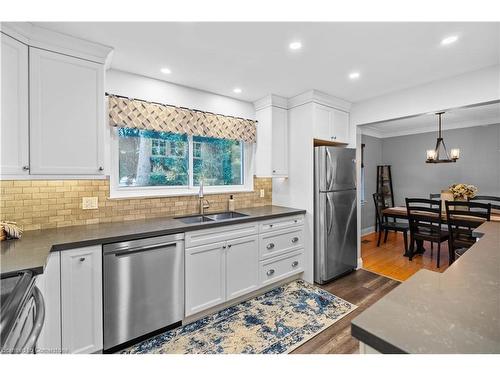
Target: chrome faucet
[203, 202]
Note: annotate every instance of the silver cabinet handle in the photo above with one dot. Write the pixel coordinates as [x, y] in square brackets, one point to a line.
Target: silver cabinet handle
[224, 246]
[101, 169]
[295, 239]
[270, 246]
[295, 220]
[270, 272]
[270, 225]
[82, 259]
[229, 245]
[26, 168]
[274, 170]
[295, 264]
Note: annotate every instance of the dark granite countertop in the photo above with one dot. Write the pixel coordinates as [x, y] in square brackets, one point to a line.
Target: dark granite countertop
[32, 250]
[457, 311]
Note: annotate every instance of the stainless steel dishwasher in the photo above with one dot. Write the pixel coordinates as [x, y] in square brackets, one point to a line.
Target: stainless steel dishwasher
[143, 288]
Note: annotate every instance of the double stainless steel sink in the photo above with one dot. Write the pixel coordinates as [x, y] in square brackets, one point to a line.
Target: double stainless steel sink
[193, 219]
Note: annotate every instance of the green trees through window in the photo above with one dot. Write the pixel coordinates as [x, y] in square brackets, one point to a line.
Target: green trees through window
[151, 158]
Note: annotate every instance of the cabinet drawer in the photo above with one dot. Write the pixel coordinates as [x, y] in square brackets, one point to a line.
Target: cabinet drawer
[281, 267]
[280, 241]
[211, 235]
[281, 223]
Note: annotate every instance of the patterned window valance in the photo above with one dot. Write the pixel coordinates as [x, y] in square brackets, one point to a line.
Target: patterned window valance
[139, 114]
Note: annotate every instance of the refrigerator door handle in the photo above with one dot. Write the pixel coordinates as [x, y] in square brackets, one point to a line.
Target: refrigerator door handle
[329, 218]
[329, 175]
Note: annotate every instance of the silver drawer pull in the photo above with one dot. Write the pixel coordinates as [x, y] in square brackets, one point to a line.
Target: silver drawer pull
[295, 239]
[270, 225]
[295, 221]
[295, 264]
[270, 272]
[270, 246]
[82, 259]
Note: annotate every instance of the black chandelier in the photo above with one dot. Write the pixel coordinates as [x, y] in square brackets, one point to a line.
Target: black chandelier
[439, 154]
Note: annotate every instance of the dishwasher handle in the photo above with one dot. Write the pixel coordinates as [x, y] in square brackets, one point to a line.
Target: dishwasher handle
[140, 249]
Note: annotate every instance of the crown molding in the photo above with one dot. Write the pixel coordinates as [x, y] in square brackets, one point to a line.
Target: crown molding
[378, 133]
[311, 96]
[315, 96]
[271, 100]
[39, 37]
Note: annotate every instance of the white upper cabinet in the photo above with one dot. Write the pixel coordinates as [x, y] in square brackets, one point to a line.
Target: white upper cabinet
[271, 158]
[14, 128]
[66, 114]
[331, 124]
[279, 154]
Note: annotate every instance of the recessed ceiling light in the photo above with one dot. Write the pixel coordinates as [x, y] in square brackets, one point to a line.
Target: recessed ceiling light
[354, 75]
[449, 40]
[295, 45]
[237, 90]
[165, 70]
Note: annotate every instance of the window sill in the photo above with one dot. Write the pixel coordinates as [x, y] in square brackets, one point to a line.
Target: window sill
[162, 192]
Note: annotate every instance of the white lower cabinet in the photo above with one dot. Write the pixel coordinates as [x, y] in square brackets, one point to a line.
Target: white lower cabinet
[219, 272]
[242, 266]
[225, 263]
[205, 277]
[81, 300]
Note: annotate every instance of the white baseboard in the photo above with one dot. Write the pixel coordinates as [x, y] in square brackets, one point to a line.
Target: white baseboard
[360, 263]
[368, 230]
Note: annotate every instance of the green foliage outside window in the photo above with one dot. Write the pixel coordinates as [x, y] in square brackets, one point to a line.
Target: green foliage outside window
[152, 158]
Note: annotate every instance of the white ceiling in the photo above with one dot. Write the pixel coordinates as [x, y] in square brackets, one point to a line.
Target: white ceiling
[218, 57]
[453, 119]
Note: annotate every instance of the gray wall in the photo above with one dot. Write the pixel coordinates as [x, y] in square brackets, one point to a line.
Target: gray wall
[372, 158]
[479, 164]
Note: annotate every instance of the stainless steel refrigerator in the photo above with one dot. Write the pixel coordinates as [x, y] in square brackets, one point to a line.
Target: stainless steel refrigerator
[335, 225]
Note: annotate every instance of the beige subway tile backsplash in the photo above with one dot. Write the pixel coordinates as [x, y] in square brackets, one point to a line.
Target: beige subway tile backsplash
[42, 204]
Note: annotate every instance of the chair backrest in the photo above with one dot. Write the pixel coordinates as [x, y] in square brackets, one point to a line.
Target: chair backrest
[462, 217]
[424, 216]
[379, 201]
[488, 199]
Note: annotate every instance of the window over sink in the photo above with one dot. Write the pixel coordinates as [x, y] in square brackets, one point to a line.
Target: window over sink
[154, 163]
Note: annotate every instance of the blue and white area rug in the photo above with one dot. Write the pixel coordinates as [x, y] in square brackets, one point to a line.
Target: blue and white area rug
[276, 322]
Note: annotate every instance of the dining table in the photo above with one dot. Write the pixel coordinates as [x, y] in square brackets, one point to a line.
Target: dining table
[400, 212]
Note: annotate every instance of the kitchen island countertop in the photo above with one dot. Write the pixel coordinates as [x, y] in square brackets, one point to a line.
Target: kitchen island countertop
[457, 311]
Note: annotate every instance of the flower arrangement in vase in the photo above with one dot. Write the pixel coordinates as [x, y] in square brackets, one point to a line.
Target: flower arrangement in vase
[462, 192]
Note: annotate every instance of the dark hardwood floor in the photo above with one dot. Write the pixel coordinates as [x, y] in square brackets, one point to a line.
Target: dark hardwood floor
[362, 288]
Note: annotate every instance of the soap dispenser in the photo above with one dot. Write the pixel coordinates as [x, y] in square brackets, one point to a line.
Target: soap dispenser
[230, 203]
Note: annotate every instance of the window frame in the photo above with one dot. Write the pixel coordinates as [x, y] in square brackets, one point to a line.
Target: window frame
[124, 192]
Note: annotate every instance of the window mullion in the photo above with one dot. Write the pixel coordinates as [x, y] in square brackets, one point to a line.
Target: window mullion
[190, 170]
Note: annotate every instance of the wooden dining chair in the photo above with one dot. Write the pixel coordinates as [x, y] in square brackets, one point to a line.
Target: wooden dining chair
[488, 199]
[462, 219]
[434, 196]
[425, 221]
[383, 223]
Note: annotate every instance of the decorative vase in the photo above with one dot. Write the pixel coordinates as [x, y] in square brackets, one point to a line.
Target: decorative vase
[446, 195]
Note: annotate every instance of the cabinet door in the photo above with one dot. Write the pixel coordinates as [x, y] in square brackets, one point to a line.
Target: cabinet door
[279, 158]
[340, 126]
[323, 119]
[242, 266]
[14, 129]
[205, 277]
[49, 283]
[81, 300]
[66, 114]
